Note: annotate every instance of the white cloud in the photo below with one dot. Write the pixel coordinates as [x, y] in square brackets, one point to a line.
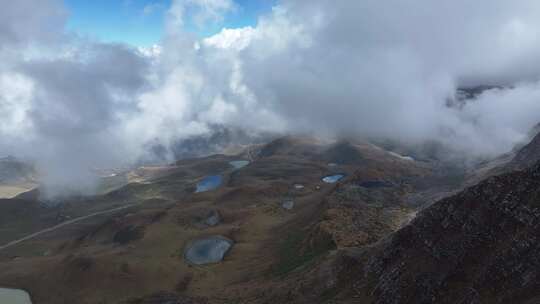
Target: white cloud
[237, 39]
[151, 52]
[24, 22]
[200, 12]
[15, 103]
[359, 68]
[386, 68]
[210, 10]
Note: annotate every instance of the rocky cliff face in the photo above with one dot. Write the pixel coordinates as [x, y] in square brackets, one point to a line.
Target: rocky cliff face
[528, 155]
[479, 246]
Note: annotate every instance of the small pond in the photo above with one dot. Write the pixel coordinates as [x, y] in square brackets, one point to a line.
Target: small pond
[209, 250]
[375, 184]
[213, 219]
[288, 204]
[209, 183]
[331, 179]
[14, 296]
[238, 164]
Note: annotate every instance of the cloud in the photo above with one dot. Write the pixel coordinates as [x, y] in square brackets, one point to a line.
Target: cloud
[29, 21]
[237, 39]
[383, 69]
[199, 12]
[387, 68]
[63, 99]
[69, 110]
[210, 10]
[151, 8]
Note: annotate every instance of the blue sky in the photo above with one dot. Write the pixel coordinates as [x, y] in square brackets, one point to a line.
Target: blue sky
[126, 20]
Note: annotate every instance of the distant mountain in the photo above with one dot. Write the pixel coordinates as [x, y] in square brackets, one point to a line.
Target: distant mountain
[218, 140]
[13, 170]
[305, 147]
[466, 94]
[471, 92]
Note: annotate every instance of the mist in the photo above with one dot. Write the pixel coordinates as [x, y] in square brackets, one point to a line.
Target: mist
[362, 69]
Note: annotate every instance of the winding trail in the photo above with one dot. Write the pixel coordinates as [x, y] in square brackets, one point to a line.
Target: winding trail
[79, 219]
[66, 223]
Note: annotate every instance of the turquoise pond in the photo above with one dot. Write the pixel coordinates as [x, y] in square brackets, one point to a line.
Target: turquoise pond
[14, 296]
[208, 250]
[288, 204]
[331, 179]
[209, 183]
[239, 164]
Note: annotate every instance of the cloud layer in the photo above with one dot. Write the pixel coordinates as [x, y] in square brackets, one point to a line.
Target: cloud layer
[384, 69]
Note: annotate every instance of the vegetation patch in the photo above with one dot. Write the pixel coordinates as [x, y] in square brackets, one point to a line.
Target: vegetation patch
[128, 234]
[294, 253]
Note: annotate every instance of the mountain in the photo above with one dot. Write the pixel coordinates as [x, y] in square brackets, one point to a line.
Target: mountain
[527, 156]
[13, 170]
[296, 220]
[16, 177]
[479, 246]
[220, 139]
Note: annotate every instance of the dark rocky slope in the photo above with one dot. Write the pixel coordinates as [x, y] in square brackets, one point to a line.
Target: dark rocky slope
[528, 155]
[479, 246]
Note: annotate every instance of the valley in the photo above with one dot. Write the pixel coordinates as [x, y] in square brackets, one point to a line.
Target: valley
[303, 220]
[281, 213]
